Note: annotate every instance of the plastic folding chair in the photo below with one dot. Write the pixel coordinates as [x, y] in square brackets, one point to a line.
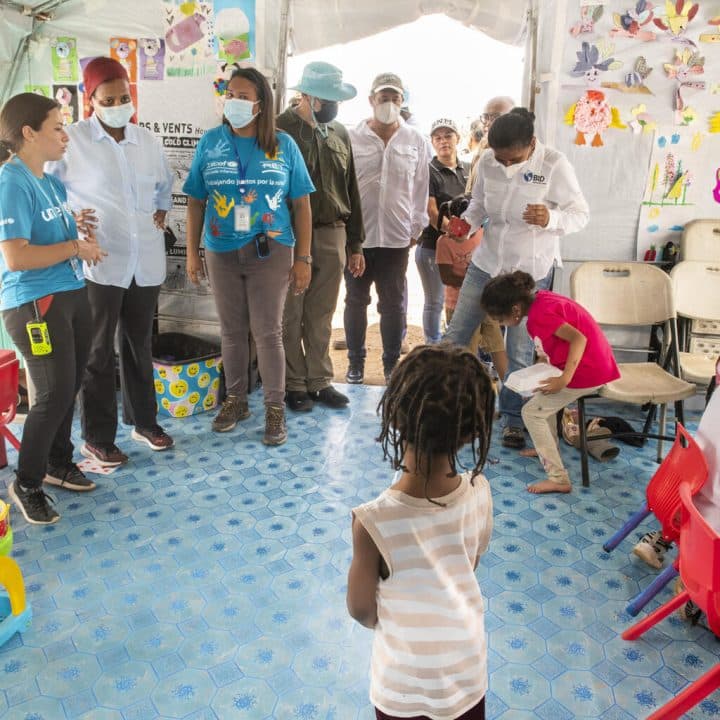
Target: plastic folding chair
[685, 463]
[9, 369]
[700, 572]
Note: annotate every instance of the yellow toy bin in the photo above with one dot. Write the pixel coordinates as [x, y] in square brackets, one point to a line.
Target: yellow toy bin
[188, 374]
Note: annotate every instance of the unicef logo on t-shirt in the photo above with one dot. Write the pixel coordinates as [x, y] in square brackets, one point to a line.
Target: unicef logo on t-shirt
[531, 177]
[7, 221]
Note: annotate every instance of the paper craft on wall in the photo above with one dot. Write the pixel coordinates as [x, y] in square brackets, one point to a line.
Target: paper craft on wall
[642, 121]
[152, 58]
[235, 29]
[714, 123]
[678, 15]
[589, 15]
[67, 96]
[187, 43]
[124, 51]
[591, 115]
[714, 36]
[64, 60]
[636, 22]
[680, 186]
[686, 66]
[635, 80]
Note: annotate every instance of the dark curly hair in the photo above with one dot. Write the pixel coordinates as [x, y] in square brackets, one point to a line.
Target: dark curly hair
[514, 129]
[439, 398]
[504, 291]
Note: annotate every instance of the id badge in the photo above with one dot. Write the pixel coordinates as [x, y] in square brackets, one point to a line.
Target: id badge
[77, 267]
[39, 338]
[242, 218]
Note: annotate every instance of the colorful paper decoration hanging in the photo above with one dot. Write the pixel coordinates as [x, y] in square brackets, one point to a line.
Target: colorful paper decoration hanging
[634, 22]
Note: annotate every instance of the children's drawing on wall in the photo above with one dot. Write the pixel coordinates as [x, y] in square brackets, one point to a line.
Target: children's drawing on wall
[634, 81]
[124, 50]
[592, 115]
[188, 50]
[641, 121]
[680, 187]
[635, 22]
[685, 67]
[152, 58]
[714, 123]
[235, 29]
[67, 96]
[64, 60]
[678, 16]
[589, 15]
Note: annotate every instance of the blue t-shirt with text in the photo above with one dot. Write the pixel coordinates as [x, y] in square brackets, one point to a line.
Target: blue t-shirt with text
[230, 171]
[32, 208]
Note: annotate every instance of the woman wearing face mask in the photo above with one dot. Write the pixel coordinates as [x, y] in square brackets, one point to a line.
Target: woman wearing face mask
[531, 198]
[42, 297]
[119, 169]
[242, 175]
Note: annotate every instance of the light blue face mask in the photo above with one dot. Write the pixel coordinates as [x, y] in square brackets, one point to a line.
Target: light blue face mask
[116, 116]
[239, 113]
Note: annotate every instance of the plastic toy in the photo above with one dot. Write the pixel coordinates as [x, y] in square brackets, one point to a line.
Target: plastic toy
[6, 535]
[16, 613]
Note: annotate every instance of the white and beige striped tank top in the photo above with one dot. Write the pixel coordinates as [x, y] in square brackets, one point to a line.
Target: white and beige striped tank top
[429, 652]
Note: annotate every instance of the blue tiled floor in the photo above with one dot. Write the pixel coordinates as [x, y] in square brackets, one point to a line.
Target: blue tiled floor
[209, 583]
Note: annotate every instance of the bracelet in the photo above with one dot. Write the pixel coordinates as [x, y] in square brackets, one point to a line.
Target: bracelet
[76, 246]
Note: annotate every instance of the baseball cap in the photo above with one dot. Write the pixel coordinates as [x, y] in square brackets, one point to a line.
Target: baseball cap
[387, 81]
[444, 123]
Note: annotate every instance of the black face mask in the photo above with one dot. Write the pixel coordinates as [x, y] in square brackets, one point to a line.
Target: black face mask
[328, 111]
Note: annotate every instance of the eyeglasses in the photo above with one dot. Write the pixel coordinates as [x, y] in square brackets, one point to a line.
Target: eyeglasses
[489, 117]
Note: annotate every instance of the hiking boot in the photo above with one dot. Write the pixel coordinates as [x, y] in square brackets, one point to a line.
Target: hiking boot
[33, 504]
[104, 455]
[513, 437]
[275, 429]
[355, 373]
[233, 410]
[70, 477]
[298, 401]
[651, 549]
[155, 437]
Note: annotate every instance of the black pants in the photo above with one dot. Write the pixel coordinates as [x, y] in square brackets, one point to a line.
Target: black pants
[130, 311]
[474, 713]
[56, 378]
[386, 267]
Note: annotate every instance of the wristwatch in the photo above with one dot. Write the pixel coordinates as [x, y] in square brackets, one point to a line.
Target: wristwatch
[304, 258]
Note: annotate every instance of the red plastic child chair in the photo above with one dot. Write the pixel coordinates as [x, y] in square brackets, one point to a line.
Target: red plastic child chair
[700, 572]
[9, 369]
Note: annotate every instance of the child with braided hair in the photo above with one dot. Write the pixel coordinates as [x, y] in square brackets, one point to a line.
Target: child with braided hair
[416, 546]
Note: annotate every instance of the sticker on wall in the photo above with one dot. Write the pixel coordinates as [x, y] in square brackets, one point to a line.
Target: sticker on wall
[235, 29]
[43, 90]
[678, 16]
[642, 121]
[64, 60]
[188, 49]
[151, 53]
[67, 96]
[635, 80]
[124, 50]
[636, 22]
[589, 15]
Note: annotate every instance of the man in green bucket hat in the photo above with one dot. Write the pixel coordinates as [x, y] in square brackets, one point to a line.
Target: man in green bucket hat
[337, 238]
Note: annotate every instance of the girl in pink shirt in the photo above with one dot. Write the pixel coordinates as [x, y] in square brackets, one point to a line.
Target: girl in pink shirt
[566, 336]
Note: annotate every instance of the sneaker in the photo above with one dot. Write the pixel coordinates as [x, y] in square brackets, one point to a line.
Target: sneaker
[652, 548]
[355, 373]
[104, 455]
[275, 429]
[330, 396]
[689, 612]
[155, 437]
[71, 477]
[233, 410]
[513, 437]
[298, 401]
[34, 504]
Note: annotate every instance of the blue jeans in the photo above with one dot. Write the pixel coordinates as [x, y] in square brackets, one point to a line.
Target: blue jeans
[386, 267]
[520, 349]
[434, 292]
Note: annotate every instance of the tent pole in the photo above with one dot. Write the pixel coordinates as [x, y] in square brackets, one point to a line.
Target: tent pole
[281, 71]
[15, 67]
[533, 33]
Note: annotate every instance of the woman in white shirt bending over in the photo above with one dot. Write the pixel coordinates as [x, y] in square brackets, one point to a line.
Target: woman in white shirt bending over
[530, 197]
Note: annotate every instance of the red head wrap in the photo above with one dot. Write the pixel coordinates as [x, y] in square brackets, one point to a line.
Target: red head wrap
[98, 71]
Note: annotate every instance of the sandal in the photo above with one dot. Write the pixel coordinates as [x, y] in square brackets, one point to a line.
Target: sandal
[513, 437]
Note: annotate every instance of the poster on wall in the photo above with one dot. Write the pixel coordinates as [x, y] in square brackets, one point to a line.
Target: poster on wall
[235, 30]
[151, 52]
[682, 185]
[124, 50]
[64, 60]
[67, 96]
[188, 38]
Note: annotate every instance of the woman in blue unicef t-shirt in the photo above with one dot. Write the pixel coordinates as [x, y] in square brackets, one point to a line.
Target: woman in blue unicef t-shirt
[42, 296]
[242, 177]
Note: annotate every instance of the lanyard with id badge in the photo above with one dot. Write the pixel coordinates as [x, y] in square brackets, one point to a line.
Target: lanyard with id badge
[242, 211]
[37, 329]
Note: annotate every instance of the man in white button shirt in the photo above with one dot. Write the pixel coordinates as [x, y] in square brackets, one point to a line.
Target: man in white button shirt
[392, 163]
[120, 170]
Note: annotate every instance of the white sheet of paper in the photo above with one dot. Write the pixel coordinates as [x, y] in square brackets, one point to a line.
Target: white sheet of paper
[525, 381]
